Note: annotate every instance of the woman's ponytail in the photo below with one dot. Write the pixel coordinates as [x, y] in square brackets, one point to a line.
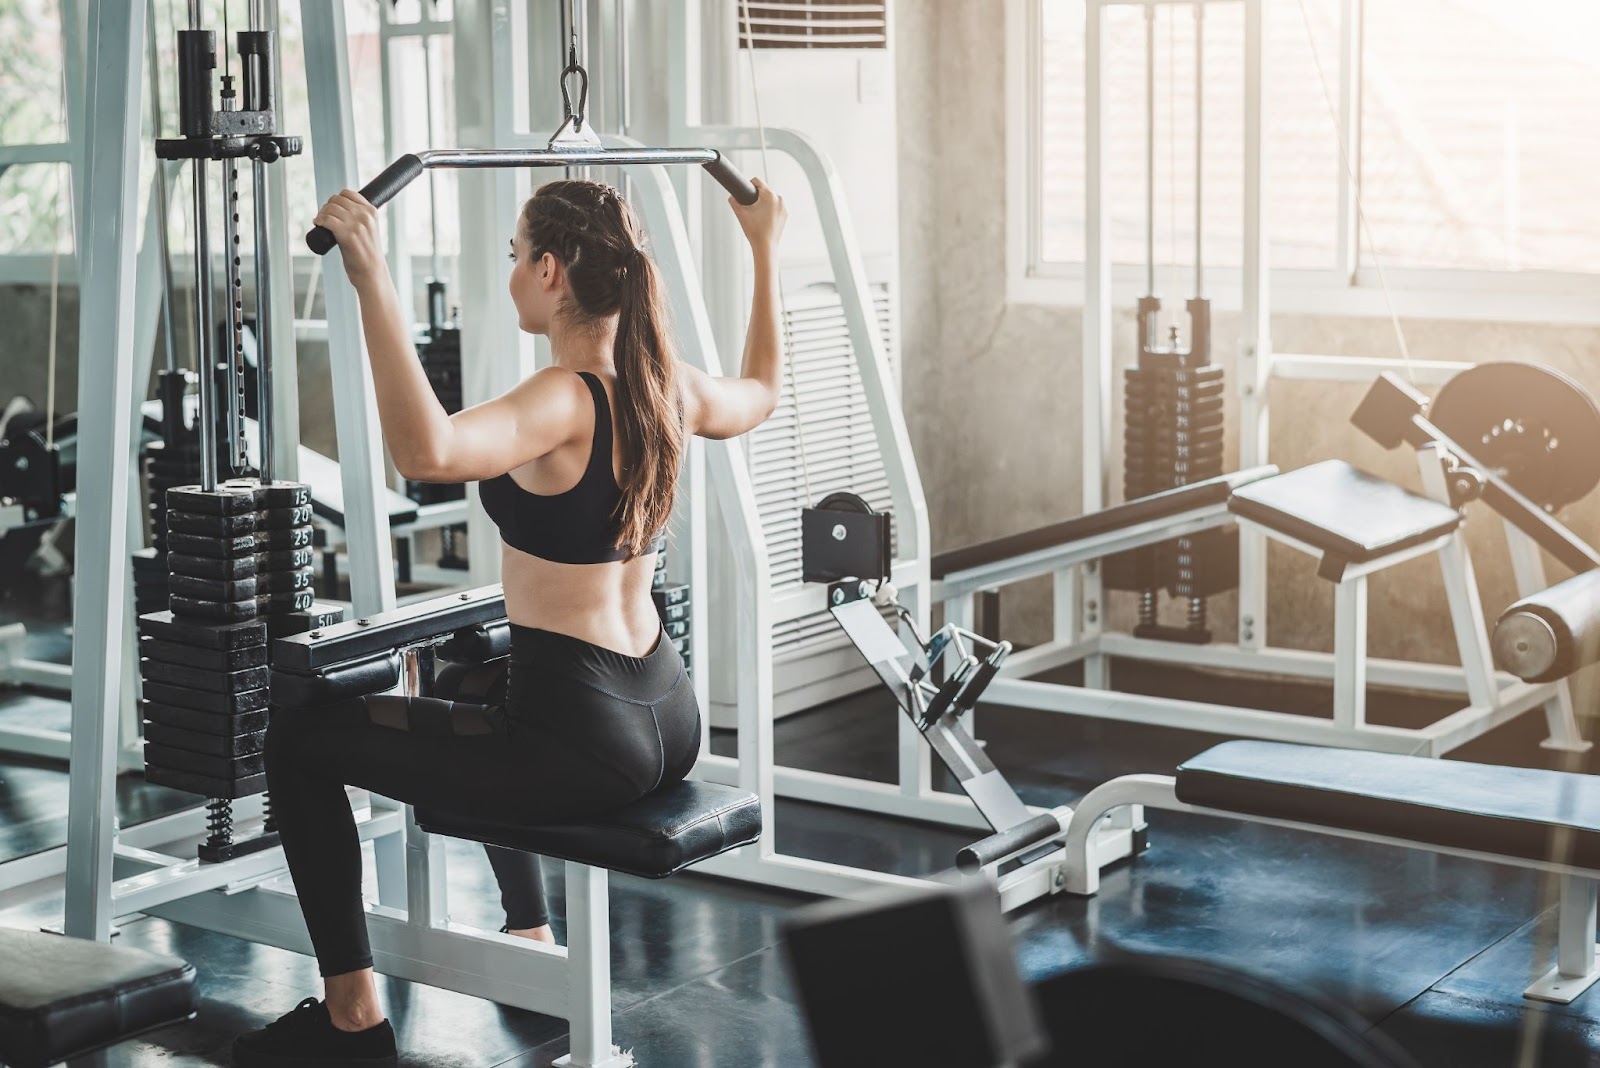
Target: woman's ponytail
[648, 429]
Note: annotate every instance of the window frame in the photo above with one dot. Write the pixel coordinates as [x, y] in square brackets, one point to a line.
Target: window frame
[1350, 288]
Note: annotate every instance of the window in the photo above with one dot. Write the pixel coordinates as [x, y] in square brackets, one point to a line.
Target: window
[1469, 151]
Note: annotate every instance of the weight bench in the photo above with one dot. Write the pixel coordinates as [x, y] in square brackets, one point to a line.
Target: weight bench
[62, 998]
[661, 833]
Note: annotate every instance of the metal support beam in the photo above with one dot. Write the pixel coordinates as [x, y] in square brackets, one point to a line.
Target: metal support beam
[113, 99]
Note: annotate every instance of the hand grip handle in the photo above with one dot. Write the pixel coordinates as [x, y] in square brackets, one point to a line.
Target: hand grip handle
[1040, 828]
[382, 189]
[738, 186]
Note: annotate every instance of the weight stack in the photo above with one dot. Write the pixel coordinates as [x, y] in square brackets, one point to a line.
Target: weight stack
[238, 573]
[1173, 436]
[441, 362]
[672, 605]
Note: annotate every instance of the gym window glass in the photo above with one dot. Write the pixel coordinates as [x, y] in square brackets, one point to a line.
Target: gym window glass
[1474, 144]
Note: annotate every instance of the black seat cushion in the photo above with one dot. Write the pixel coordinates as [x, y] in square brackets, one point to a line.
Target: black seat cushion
[1163, 505]
[66, 997]
[1344, 511]
[655, 836]
[1505, 811]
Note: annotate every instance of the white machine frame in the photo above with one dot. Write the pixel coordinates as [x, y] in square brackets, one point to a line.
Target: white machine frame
[1080, 632]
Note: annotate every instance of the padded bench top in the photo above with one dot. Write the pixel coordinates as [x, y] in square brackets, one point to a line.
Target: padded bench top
[1344, 511]
[1163, 505]
[65, 997]
[661, 833]
[1449, 803]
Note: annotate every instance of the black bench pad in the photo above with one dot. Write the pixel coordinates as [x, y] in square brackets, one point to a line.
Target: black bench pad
[1509, 812]
[1163, 505]
[1344, 511]
[66, 997]
[655, 836]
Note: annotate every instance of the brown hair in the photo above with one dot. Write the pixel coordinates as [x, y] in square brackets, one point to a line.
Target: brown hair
[588, 227]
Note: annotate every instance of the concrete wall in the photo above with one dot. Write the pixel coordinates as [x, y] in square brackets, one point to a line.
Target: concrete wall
[992, 390]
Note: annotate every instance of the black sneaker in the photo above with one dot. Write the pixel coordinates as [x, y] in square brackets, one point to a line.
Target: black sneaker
[306, 1038]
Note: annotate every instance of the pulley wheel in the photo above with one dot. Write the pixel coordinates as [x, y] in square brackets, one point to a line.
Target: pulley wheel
[1535, 427]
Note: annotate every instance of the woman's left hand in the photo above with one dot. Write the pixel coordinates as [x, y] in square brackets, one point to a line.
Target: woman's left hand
[354, 223]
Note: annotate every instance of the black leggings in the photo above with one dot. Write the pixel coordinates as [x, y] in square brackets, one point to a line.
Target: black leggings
[561, 730]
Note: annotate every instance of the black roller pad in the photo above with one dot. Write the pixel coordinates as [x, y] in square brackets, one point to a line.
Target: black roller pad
[221, 682]
[213, 589]
[216, 745]
[225, 500]
[279, 518]
[206, 785]
[219, 568]
[217, 723]
[279, 538]
[169, 628]
[201, 545]
[206, 659]
[204, 700]
[162, 756]
[289, 581]
[214, 611]
[670, 595]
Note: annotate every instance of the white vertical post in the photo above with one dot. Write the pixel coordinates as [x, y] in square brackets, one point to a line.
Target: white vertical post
[1064, 605]
[399, 252]
[1461, 591]
[355, 406]
[1349, 162]
[1576, 916]
[112, 102]
[1255, 341]
[1097, 324]
[1350, 653]
[285, 358]
[491, 364]
[589, 962]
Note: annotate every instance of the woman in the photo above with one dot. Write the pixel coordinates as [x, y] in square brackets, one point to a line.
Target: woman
[577, 466]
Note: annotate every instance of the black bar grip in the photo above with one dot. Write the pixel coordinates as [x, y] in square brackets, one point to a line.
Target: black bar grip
[382, 189]
[738, 186]
[1002, 844]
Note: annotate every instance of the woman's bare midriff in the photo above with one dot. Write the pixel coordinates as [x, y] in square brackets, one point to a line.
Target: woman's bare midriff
[607, 605]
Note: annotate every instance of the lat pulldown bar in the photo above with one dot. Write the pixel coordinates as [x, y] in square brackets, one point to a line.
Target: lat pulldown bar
[406, 169]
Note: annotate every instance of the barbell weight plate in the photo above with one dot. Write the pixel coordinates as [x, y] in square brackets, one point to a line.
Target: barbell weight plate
[280, 538]
[200, 545]
[222, 704]
[227, 568]
[167, 627]
[209, 526]
[219, 682]
[190, 719]
[1530, 424]
[288, 580]
[206, 659]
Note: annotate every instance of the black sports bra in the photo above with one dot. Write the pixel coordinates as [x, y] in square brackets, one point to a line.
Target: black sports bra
[579, 526]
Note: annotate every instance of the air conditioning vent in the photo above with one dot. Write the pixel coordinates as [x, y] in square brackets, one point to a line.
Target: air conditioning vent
[813, 24]
[841, 447]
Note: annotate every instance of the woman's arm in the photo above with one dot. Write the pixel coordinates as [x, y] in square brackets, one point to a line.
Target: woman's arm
[728, 407]
[425, 443]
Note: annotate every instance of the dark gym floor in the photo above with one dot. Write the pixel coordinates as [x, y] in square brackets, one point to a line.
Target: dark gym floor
[1433, 950]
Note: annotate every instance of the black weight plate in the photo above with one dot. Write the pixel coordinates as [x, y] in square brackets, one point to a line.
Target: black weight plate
[313, 618]
[218, 611]
[206, 589]
[682, 645]
[169, 759]
[224, 568]
[166, 627]
[189, 719]
[205, 701]
[205, 785]
[210, 526]
[279, 518]
[223, 682]
[285, 559]
[283, 538]
[677, 629]
[225, 500]
[200, 545]
[207, 659]
[286, 581]
[273, 494]
[673, 612]
[670, 595]
[1532, 425]
[218, 745]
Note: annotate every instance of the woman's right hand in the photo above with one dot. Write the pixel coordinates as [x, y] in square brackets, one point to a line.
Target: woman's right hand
[764, 220]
